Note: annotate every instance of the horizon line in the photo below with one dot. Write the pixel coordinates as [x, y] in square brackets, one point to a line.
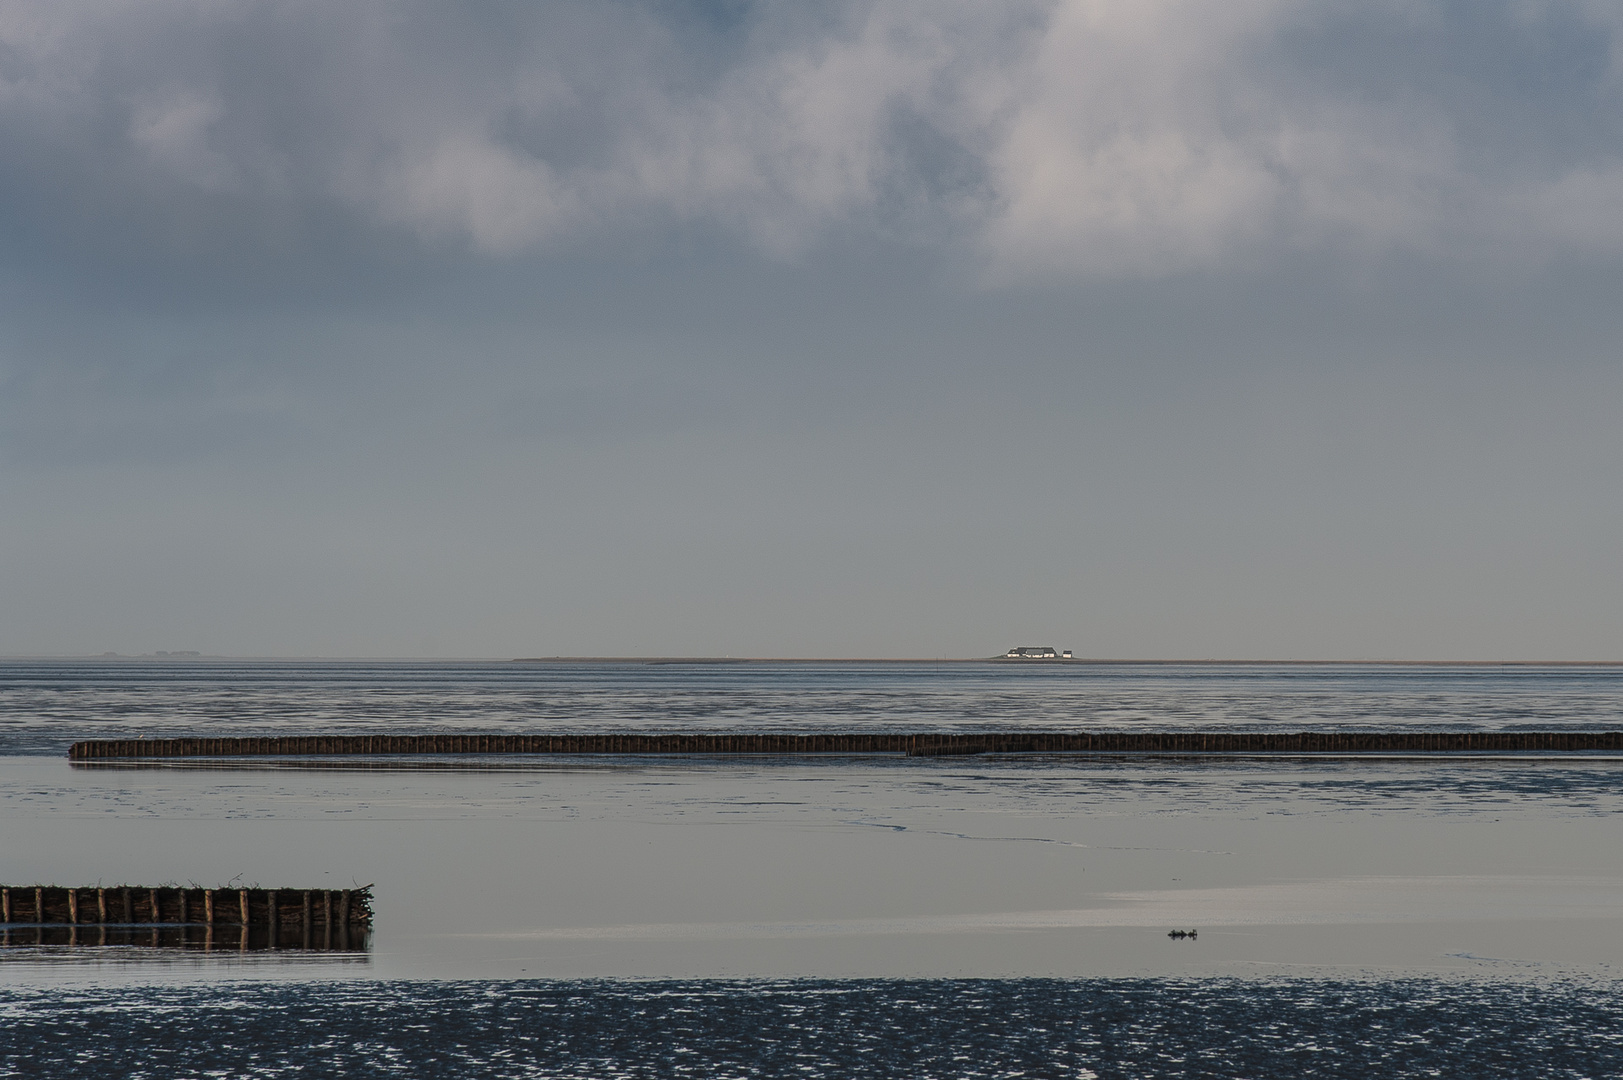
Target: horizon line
[661, 659]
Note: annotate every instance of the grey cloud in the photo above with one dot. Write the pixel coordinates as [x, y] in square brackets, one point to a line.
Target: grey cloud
[1060, 136]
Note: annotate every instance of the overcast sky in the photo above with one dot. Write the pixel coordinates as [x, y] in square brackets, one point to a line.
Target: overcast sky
[1154, 328]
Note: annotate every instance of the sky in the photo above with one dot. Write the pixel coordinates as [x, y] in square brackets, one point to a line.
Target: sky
[1161, 329]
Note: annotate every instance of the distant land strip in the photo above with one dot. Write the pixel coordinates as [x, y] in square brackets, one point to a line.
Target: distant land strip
[915, 745]
[1052, 662]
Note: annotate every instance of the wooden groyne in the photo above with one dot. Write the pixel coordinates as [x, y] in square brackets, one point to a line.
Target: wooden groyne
[129, 904]
[322, 919]
[927, 744]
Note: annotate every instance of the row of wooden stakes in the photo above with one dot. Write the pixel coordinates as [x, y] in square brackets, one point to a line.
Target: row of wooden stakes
[868, 742]
[129, 905]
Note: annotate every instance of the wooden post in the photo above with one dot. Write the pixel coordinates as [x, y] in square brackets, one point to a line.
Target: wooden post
[306, 920]
[101, 906]
[129, 905]
[326, 919]
[343, 909]
[273, 916]
[185, 915]
[5, 906]
[157, 912]
[208, 909]
[73, 906]
[242, 901]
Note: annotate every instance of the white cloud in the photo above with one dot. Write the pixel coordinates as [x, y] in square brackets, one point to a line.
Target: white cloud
[502, 201]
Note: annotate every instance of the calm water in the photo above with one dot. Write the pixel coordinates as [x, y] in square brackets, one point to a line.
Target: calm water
[850, 917]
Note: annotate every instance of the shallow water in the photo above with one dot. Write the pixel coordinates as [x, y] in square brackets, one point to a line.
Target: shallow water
[837, 916]
[878, 867]
[44, 705]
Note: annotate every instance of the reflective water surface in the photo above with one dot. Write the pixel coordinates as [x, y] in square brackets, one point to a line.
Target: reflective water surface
[883, 867]
[837, 916]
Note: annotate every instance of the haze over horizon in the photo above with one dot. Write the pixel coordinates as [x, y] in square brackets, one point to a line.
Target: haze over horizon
[1169, 329]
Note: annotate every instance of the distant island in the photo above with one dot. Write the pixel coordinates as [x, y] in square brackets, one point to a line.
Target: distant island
[1035, 652]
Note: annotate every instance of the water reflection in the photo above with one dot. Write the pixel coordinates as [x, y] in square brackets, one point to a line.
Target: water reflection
[876, 867]
[194, 938]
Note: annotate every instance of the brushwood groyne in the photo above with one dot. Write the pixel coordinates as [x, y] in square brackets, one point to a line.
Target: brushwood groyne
[929, 744]
[327, 919]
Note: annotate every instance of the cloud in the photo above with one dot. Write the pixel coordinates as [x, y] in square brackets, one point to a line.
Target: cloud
[473, 186]
[1143, 138]
[1038, 138]
[176, 135]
